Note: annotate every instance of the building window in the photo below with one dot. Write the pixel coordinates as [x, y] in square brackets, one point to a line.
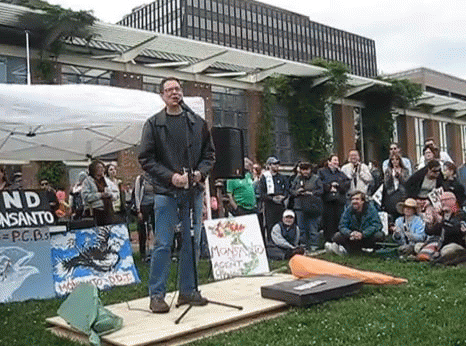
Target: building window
[3, 78]
[419, 129]
[463, 143]
[229, 109]
[443, 137]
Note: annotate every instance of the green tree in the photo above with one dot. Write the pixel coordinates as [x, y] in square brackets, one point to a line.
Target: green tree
[53, 171]
[306, 99]
[379, 102]
[54, 25]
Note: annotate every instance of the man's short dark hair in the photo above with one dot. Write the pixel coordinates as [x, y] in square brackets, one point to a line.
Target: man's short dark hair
[432, 164]
[358, 192]
[167, 79]
[429, 139]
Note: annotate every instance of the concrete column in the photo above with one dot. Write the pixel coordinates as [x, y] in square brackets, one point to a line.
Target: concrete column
[432, 130]
[128, 165]
[204, 91]
[344, 130]
[30, 171]
[410, 140]
[454, 140]
[254, 99]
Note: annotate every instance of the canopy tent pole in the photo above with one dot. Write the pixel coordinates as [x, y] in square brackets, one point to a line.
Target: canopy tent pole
[28, 64]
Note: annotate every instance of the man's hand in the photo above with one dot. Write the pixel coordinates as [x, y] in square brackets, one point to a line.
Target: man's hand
[299, 250]
[179, 180]
[197, 176]
[140, 216]
[355, 235]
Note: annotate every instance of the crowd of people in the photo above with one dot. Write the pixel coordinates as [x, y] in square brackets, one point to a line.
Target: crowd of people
[341, 208]
[316, 207]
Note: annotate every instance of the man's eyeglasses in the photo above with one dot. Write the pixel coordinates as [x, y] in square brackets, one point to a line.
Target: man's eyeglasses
[44, 184]
[170, 90]
[393, 148]
[436, 170]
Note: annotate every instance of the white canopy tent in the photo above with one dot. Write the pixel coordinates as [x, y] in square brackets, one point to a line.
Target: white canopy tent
[74, 122]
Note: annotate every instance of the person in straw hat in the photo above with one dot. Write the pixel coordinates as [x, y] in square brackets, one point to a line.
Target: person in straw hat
[409, 229]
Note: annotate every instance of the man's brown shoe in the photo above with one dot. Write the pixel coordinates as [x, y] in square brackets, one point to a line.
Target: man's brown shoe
[194, 298]
[158, 305]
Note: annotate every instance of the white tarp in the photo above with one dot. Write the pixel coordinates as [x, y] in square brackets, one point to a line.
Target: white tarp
[74, 122]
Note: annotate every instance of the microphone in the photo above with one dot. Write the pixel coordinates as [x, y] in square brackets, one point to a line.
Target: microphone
[185, 107]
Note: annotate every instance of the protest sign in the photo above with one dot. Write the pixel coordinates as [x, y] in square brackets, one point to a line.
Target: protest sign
[434, 197]
[100, 255]
[24, 208]
[236, 247]
[25, 264]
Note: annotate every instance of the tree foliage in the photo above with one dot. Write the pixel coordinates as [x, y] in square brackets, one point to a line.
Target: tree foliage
[54, 25]
[53, 171]
[305, 99]
[266, 124]
[379, 102]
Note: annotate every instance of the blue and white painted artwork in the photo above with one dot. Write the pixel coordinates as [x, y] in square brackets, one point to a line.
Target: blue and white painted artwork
[25, 264]
[100, 255]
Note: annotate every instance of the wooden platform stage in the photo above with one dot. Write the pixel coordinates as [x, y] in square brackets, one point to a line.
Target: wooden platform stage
[141, 327]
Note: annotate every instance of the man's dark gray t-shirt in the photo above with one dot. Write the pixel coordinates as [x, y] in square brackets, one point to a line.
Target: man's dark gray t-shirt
[177, 139]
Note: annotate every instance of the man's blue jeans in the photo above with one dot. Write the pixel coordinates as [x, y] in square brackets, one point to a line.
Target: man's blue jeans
[168, 212]
[309, 227]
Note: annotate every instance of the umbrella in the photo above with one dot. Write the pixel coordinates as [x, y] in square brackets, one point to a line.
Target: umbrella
[75, 121]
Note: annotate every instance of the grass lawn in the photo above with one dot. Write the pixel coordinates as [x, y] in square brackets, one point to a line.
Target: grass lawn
[428, 310]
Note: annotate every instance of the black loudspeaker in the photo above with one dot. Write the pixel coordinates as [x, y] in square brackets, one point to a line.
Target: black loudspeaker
[229, 153]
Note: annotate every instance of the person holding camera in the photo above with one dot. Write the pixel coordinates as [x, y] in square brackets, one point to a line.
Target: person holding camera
[336, 185]
[358, 172]
[307, 190]
[394, 192]
[177, 153]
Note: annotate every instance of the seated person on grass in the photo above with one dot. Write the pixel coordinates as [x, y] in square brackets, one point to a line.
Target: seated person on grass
[448, 232]
[360, 225]
[409, 229]
[286, 235]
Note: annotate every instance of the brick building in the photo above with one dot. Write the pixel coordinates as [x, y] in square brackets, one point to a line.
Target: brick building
[256, 27]
[229, 80]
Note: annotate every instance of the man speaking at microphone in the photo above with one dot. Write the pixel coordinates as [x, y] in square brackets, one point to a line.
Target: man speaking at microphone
[177, 153]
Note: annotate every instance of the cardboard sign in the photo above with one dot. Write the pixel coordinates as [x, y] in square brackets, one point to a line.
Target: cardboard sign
[236, 247]
[384, 219]
[434, 197]
[25, 264]
[100, 255]
[24, 208]
[377, 196]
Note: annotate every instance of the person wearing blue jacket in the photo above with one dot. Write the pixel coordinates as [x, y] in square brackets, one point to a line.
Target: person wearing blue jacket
[410, 228]
[360, 225]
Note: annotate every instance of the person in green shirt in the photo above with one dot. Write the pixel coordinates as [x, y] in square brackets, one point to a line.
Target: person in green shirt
[241, 192]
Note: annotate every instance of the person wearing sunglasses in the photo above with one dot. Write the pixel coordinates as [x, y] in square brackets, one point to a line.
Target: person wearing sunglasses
[424, 181]
[396, 150]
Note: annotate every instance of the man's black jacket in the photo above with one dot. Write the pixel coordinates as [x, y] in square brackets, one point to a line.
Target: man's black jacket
[156, 155]
[414, 183]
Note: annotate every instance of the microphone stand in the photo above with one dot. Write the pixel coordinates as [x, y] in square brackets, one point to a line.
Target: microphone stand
[191, 222]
